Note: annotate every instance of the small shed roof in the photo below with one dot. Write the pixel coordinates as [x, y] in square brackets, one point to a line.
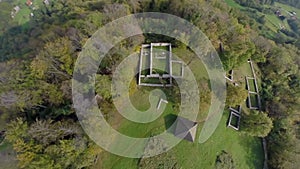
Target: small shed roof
[186, 129]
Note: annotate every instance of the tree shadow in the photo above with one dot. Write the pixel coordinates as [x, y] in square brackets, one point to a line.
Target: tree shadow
[254, 148]
[170, 120]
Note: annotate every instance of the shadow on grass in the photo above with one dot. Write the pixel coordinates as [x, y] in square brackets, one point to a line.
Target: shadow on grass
[254, 149]
[227, 114]
[169, 121]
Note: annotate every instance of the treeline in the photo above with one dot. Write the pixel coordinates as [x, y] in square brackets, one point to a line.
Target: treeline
[35, 77]
[38, 61]
[281, 90]
[295, 25]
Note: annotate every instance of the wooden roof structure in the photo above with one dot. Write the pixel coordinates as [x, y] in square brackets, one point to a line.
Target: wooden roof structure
[185, 129]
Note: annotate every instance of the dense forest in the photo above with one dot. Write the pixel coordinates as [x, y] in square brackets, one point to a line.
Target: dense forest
[38, 57]
[280, 75]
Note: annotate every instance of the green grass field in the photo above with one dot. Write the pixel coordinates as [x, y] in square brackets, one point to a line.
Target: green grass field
[155, 80]
[145, 61]
[160, 64]
[288, 8]
[143, 103]
[251, 86]
[253, 100]
[176, 68]
[23, 15]
[246, 151]
[234, 120]
[233, 4]
[240, 73]
[193, 62]
[273, 22]
[160, 59]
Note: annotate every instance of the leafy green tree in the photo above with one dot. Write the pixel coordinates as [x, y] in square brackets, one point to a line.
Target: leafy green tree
[256, 124]
[165, 160]
[262, 19]
[115, 11]
[263, 48]
[224, 161]
[51, 145]
[236, 95]
[282, 144]
[103, 86]
[55, 61]
[17, 130]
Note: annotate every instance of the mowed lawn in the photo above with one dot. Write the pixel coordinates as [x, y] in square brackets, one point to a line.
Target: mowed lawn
[246, 151]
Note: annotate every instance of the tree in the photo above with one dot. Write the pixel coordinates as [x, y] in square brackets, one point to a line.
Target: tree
[17, 129]
[51, 145]
[262, 19]
[256, 124]
[55, 62]
[224, 161]
[263, 47]
[235, 95]
[166, 160]
[135, 5]
[103, 86]
[115, 11]
[283, 144]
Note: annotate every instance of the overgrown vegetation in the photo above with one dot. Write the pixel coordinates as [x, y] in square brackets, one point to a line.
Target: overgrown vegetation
[256, 124]
[236, 95]
[224, 161]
